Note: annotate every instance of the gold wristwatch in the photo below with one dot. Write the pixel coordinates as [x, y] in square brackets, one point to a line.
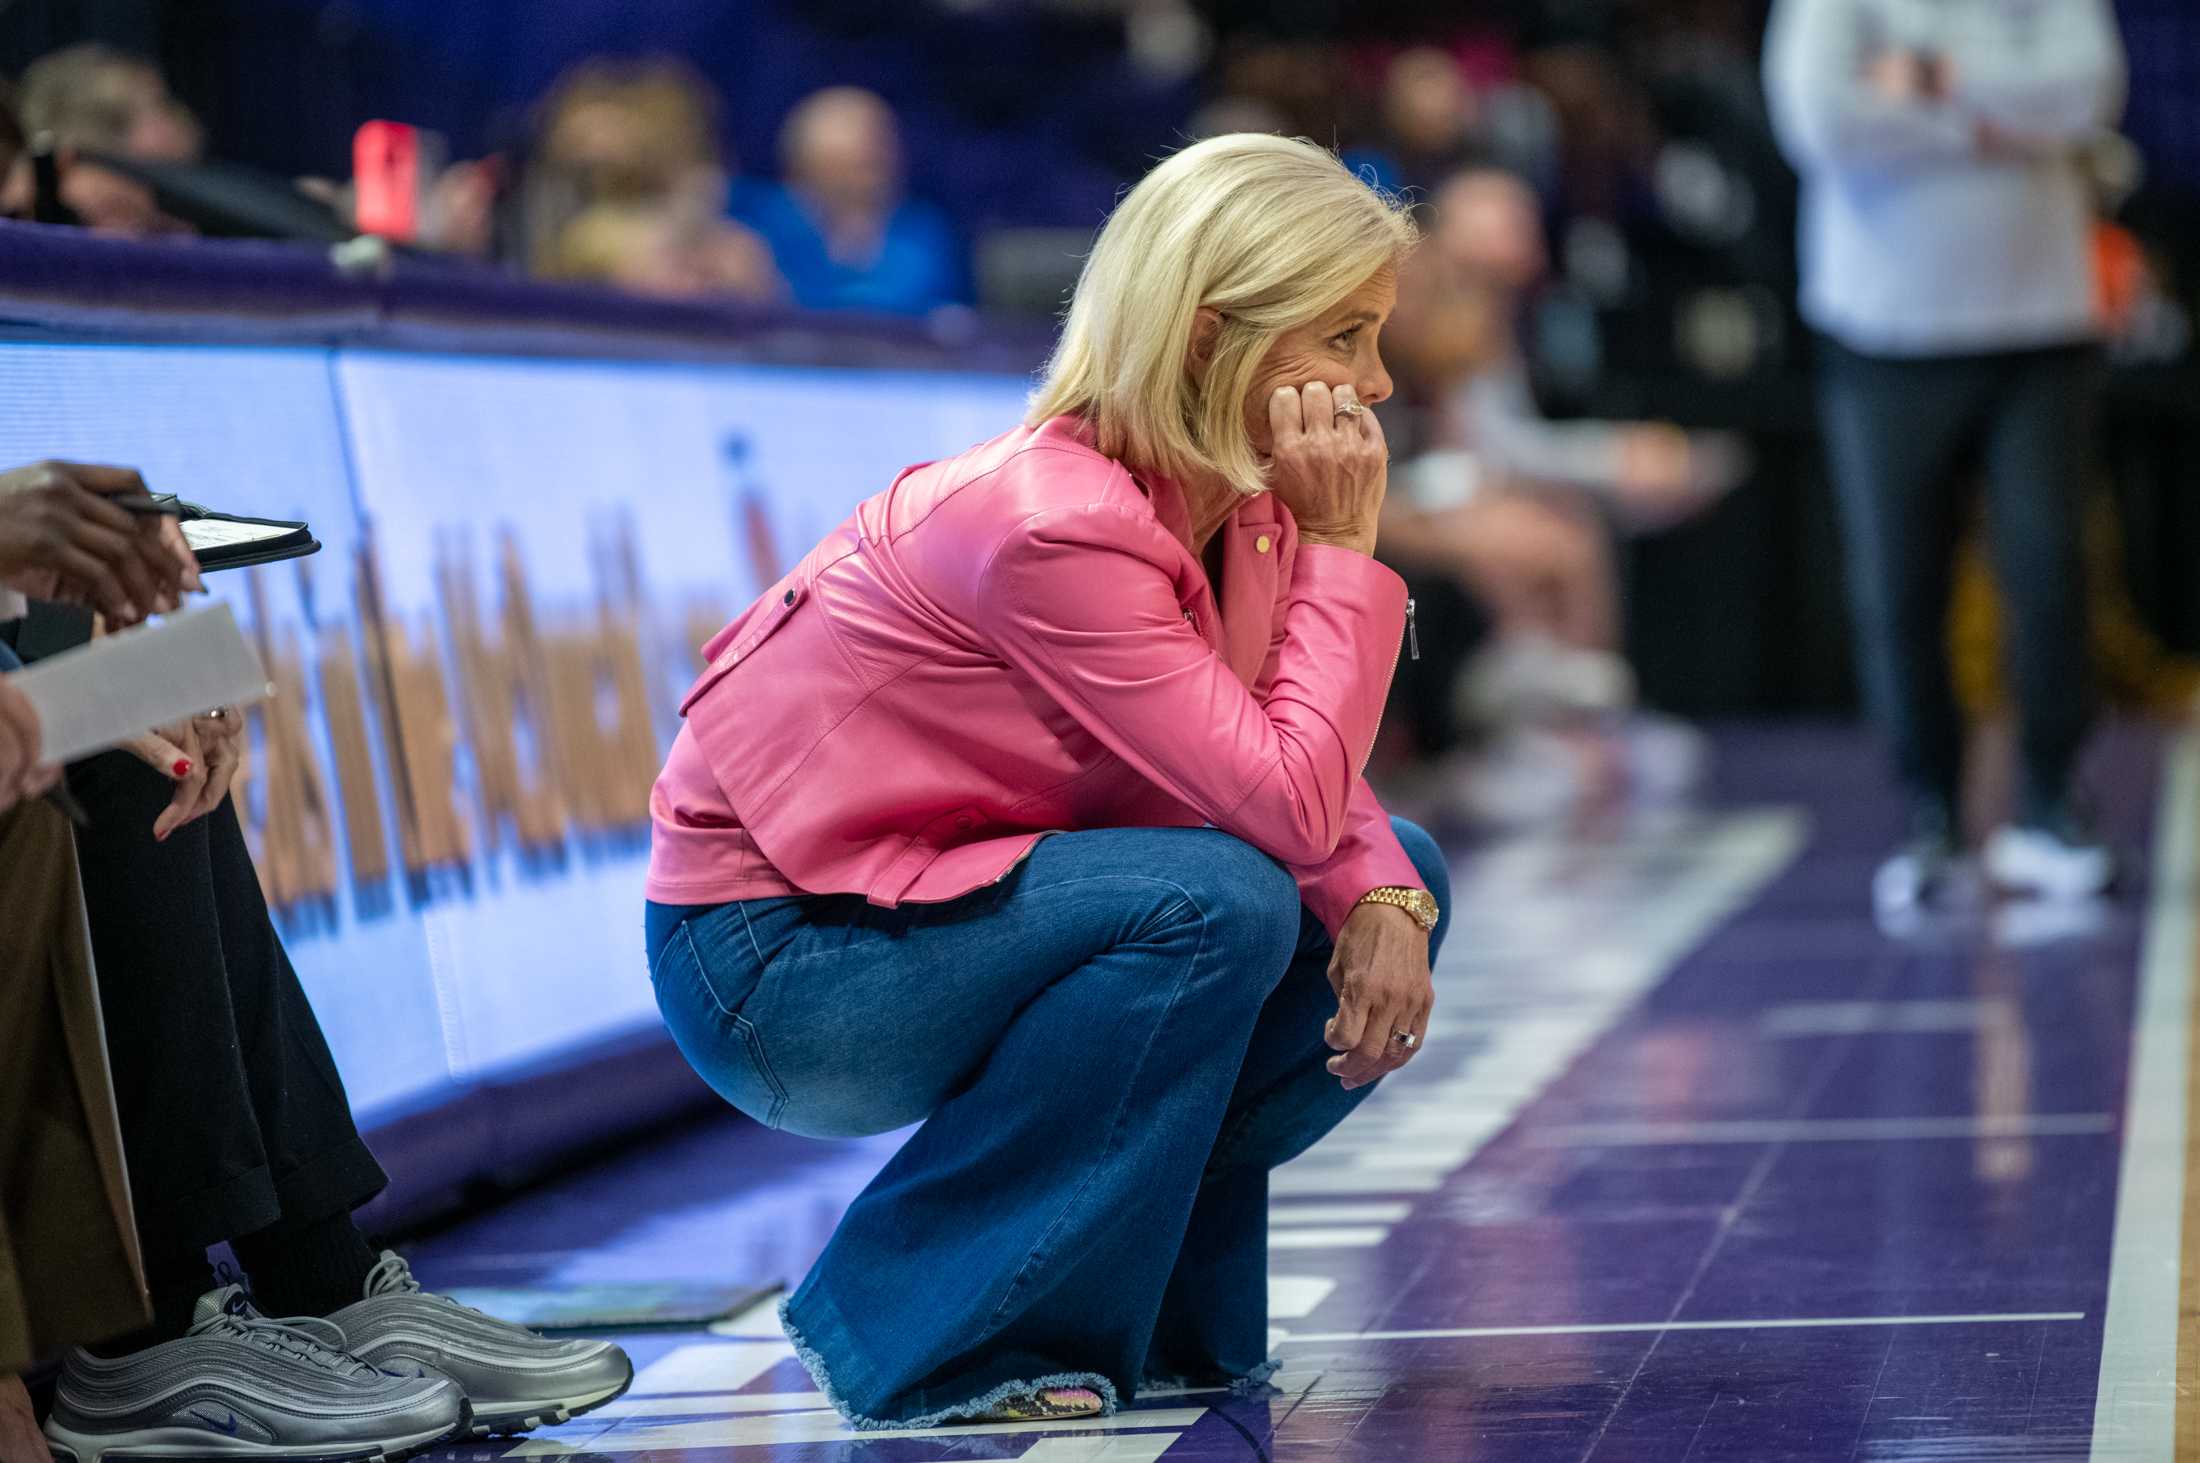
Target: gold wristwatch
[1417, 902]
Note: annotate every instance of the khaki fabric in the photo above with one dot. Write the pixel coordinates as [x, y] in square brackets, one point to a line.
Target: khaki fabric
[69, 1267]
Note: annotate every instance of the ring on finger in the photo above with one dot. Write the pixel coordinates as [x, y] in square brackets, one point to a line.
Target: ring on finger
[1405, 1039]
[1350, 409]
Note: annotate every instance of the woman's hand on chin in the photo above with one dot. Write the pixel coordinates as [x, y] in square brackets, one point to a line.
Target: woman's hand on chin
[1381, 976]
[1329, 463]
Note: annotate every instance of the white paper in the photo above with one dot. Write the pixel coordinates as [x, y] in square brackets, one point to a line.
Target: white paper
[216, 533]
[123, 685]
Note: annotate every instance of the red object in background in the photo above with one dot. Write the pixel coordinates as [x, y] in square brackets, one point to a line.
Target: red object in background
[387, 184]
[2119, 275]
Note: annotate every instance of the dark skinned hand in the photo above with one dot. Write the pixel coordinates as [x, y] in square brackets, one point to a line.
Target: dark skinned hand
[62, 539]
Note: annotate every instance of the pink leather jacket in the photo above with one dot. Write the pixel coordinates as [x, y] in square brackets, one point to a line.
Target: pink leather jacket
[1017, 641]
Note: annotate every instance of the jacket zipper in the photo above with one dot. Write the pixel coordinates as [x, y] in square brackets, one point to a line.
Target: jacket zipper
[1412, 645]
[1413, 648]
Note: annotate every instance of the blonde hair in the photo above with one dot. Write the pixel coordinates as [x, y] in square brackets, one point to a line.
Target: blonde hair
[672, 109]
[1271, 232]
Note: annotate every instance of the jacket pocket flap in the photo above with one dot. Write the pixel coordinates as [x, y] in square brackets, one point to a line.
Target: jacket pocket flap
[946, 829]
[766, 616]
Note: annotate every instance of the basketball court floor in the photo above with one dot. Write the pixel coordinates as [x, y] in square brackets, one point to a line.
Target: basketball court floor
[1699, 1163]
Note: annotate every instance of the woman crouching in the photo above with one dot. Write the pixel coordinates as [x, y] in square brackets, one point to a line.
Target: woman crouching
[1029, 806]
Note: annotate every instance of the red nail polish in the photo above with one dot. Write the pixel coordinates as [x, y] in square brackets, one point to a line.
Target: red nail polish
[183, 767]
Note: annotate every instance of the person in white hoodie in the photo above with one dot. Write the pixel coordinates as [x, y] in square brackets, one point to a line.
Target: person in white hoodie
[1945, 223]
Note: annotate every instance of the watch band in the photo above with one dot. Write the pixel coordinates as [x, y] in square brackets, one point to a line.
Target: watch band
[1417, 902]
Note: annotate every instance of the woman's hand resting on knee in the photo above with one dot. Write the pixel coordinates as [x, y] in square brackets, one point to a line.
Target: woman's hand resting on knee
[1381, 976]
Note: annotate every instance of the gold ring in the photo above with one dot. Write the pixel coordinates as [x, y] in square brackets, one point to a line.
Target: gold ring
[1350, 409]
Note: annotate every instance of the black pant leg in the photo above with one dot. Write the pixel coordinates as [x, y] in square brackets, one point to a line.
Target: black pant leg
[1895, 432]
[222, 1118]
[314, 1153]
[2038, 447]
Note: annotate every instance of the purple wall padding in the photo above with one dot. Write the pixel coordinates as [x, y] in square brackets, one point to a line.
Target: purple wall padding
[64, 281]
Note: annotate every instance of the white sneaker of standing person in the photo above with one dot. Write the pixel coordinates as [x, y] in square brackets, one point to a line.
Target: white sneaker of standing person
[2055, 857]
[1926, 871]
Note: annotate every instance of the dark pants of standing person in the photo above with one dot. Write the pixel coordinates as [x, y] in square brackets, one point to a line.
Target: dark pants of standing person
[1900, 436]
[233, 1116]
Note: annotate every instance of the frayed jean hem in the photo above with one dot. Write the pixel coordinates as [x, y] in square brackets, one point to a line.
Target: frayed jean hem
[973, 1410]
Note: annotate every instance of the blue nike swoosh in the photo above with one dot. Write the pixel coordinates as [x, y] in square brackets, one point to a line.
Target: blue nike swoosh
[229, 1427]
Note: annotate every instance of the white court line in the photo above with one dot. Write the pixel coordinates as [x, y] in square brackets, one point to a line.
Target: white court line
[1788, 1323]
[788, 1428]
[710, 1404]
[1108, 1448]
[760, 1322]
[1823, 1130]
[1292, 1297]
[1342, 1237]
[1292, 1180]
[710, 1366]
[1380, 1212]
[1136, 1448]
[1892, 1018]
[2135, 1402]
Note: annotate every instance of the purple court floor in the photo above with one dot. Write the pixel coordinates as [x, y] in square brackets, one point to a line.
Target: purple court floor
[1699, 1163]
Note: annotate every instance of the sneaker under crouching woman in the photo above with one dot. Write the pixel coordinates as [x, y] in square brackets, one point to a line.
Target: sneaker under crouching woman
[1029, 806]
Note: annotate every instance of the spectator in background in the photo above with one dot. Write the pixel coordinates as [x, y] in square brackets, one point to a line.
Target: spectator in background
[663, 251]
[17, 191]
[630, 162]
[94, 99]
[1487, 252]
[841, 228]
[632, 131]
[1946, 228]
[1429, 118]
[1519, 512]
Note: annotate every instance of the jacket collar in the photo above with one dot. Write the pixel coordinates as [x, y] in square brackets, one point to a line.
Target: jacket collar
[1256, 540]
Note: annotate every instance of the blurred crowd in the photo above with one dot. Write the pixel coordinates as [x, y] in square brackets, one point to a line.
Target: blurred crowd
[626, 183]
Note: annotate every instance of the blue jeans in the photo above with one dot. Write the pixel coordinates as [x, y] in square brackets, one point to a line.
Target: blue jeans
[1109, 1051]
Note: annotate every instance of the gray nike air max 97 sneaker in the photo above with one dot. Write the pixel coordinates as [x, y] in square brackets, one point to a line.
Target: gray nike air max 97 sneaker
[238, 1385]
[514, 1378]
